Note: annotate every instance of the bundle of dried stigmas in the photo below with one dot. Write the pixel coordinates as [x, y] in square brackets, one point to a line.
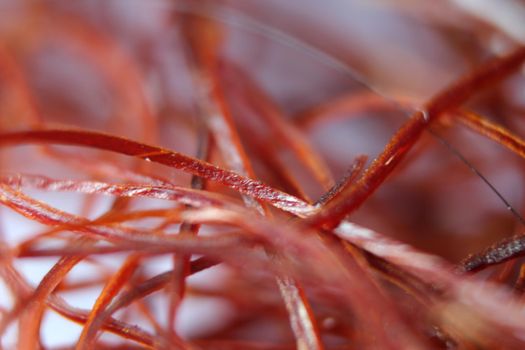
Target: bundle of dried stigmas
[262, 175]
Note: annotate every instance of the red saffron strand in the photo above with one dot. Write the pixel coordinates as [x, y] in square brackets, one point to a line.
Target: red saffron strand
[452, 97]
[162, 156]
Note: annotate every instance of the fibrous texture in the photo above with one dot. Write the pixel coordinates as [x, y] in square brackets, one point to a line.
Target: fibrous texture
[261, 175]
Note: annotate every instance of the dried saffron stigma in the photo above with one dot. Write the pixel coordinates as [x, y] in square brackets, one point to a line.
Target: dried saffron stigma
[262, 175]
